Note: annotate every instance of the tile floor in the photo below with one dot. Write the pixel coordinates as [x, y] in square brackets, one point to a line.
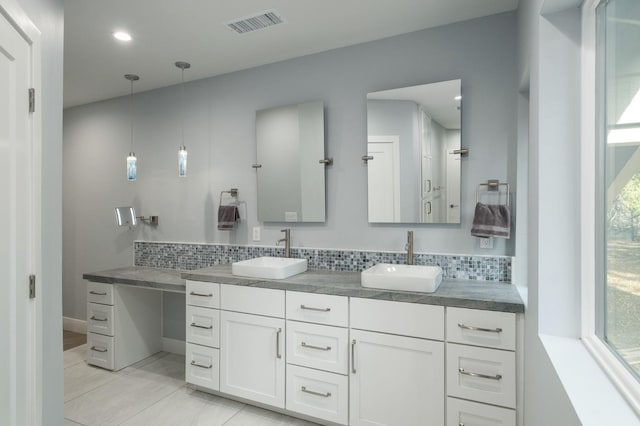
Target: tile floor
[151, 392]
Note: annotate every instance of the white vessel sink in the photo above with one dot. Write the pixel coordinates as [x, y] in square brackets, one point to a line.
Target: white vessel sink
[425, 279]
[269, 267]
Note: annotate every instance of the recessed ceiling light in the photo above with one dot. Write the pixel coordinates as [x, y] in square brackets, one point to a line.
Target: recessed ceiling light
[122, 36]
[457, 98]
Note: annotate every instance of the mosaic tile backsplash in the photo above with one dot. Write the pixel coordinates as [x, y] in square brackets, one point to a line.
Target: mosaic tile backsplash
[189, 256]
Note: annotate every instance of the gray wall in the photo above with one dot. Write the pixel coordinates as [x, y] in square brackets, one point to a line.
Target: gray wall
[47, 15]
[219, 132]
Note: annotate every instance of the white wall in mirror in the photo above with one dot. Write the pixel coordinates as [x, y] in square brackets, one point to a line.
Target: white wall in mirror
[413, 172]
[289, 147]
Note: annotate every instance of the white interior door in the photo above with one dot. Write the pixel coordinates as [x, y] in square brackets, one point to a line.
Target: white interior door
[384, 179]
[19, 347]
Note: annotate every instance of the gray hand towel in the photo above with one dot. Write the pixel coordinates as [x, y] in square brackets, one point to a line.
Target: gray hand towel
[491, 220]
[227, 216]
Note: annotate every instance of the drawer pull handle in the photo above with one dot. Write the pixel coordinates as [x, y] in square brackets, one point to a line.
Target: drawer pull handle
[480, 375]
[193, 324]
[193, 293]
[309, 308]
[320, 348]
[97, 293]
[488, 330]
[98, 319]
[324, 395]
[460, 424]
[195, 364]
[353, 357]
[93, 348]
[278, 355]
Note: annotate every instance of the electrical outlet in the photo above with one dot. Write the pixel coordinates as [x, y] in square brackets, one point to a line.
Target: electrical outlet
[256, 233]
[486, 243]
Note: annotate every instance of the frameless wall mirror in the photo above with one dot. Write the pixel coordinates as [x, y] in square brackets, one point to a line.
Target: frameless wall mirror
[413, 171]
[290, 167]
[126, 216]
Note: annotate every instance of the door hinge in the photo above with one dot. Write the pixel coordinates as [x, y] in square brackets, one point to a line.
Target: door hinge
[32, 286]
[32, 100]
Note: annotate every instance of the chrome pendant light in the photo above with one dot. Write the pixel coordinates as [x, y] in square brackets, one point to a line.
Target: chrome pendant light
[182, 149]
[132, 171]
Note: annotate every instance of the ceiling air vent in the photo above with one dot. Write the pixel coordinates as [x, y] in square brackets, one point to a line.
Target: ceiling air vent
[257, 22]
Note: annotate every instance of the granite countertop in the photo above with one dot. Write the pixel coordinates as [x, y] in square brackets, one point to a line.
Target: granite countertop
[492, 296]
[487, 295]
[139, 276]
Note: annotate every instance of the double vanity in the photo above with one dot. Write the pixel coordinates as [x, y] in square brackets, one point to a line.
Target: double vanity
[321, 345]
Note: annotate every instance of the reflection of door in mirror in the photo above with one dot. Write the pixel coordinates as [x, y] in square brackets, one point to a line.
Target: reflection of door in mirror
[433, 171]
[384, 178]
[452, 191]
[426, 121]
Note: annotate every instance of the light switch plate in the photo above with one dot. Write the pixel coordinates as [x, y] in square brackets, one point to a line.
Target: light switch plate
[256, 233]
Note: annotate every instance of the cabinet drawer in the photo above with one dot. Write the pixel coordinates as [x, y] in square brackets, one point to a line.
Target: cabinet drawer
[200, 293]
[406, 319]
[100, 351]
[100, 293]
[319, 308]
[203, 326]
[202, 366]
[252, 300]
[469, 413]
[100, 319]
[318, 346]
[482, 328]
[481, 374]
[318, 394]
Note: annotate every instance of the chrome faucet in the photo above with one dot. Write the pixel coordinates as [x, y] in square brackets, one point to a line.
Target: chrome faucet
[409, 247]
[287, 242]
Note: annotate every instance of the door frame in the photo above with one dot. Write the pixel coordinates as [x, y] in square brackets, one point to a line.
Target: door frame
[16, 16]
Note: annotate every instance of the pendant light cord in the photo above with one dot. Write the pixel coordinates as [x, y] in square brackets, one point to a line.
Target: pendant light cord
[131, 113]
[182, 104]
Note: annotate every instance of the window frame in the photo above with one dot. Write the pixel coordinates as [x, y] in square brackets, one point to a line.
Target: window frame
[592, 255]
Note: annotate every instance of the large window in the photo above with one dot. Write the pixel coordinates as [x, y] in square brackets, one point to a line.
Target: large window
[618, 58]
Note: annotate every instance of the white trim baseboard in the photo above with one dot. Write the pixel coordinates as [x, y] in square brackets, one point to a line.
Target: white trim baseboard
[75, 325]
[173, 346]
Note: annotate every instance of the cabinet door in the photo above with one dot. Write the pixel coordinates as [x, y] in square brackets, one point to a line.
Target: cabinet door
[252, 361]
[396, 380]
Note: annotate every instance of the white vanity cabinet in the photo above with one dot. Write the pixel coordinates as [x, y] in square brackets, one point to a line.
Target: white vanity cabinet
[396, 379]
[252, 344]
[481, 367]
[352, 361]
[123, 324]
[318, 356]
[202, 353]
